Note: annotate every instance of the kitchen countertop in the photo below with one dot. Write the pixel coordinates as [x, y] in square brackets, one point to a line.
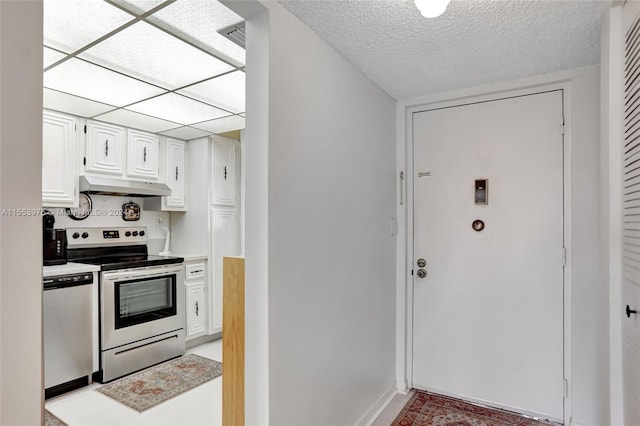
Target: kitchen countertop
[188, 257]
[68, 268]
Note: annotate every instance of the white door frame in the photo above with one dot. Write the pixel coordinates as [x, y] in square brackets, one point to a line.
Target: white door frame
[405, 256]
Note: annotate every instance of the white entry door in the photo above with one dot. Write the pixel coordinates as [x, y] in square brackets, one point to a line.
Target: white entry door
[488, 316]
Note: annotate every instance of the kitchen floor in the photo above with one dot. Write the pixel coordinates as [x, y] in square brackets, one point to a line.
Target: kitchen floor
[199, 406]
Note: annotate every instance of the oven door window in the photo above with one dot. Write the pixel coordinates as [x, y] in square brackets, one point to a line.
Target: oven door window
[145, 299]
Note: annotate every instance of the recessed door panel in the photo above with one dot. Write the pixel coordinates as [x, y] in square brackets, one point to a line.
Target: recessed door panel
[105, 148]
[224, 173]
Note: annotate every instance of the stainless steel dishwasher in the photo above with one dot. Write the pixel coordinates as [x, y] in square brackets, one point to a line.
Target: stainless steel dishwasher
[68, 337]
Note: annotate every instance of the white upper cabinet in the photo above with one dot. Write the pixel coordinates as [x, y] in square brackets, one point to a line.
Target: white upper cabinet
[223, 188]
[142, 155]
[175, 173]
[59, 166]
[105, 149]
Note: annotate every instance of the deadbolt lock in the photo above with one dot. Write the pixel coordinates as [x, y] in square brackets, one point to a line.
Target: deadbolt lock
[422, 273]
[421, 263]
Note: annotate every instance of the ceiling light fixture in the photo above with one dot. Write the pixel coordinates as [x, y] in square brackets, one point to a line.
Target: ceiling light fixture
[432, 8]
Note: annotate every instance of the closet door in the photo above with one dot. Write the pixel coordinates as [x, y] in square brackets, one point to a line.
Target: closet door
[631, 213]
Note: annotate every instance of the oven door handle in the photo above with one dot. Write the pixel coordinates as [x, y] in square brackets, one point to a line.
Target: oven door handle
[142, 273]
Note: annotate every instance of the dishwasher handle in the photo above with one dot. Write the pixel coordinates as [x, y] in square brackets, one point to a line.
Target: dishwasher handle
[64, 281]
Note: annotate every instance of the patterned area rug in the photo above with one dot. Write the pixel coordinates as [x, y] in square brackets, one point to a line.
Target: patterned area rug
[154, 385]
[51, 420]
[426, 409]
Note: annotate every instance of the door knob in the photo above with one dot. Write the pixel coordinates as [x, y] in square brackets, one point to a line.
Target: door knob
[630, 311]
[421, 263]
[422, 273]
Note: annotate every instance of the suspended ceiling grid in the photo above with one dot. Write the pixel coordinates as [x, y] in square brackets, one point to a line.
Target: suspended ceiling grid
[154, 65]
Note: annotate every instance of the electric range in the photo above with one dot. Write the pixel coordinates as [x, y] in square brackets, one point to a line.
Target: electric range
[141, 298]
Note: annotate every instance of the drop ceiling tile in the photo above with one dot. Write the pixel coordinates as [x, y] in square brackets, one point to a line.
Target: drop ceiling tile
[222, 125]
[199, 22]
[138, 6]
[151, 54]
[185, 133]
[227, 91]
[50, 56]
[177, 108]
[90, 81]
[136, 121]
[72, 24]
[64, 102]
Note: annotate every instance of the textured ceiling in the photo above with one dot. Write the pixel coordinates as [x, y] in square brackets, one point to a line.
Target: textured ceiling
[475, 42]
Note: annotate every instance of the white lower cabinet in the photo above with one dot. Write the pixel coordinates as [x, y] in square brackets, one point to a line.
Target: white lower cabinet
[196, 300]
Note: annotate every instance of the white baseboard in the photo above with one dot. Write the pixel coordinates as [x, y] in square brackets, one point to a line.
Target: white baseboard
[403, 387]
[372, 413]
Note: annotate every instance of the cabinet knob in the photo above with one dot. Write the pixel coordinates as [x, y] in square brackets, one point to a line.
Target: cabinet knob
[225, 172]
[176, 172]
[106, 148]
[144, 154]
[196, 308]
[630, 311]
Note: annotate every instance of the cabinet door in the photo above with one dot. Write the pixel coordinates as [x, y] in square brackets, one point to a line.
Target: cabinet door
[59, 166]
[142, 155]
[105, 149]
[224, 226]
[224, 173]
[175, 173]
[196, 309]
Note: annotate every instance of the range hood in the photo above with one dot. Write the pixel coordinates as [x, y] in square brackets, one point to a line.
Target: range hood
[109, 186]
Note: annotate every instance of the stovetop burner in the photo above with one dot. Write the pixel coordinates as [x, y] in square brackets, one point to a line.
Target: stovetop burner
[112, 263]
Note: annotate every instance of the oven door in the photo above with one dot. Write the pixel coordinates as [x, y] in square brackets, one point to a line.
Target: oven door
[140, 303]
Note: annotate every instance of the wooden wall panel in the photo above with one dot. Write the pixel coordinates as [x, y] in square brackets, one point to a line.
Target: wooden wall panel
[233, 342]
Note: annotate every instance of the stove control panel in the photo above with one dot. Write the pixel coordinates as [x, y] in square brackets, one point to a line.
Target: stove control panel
[100, 237]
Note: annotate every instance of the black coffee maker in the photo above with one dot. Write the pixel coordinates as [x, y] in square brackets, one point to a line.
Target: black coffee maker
[54, 241]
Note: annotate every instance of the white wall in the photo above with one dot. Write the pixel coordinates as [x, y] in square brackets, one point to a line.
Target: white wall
[589, 292]
[21, 384]
[256, 190]
[331, 257]
[106, 212]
